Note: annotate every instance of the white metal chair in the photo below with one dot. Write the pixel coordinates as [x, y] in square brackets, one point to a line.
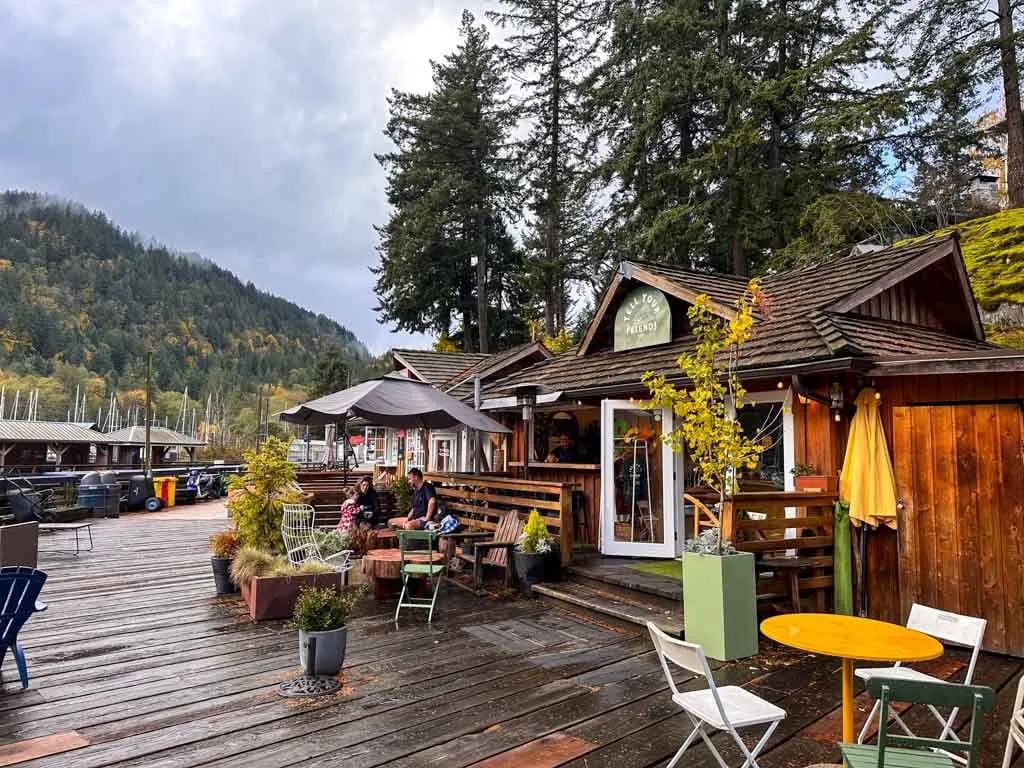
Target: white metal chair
[722, 709]
[950, 628]
[1016, 734]
[297, 530]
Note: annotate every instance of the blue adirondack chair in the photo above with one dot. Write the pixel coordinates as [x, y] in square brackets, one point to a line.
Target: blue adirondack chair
[19, 598]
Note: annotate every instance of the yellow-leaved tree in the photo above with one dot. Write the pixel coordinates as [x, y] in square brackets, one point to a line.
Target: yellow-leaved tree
[704, 419]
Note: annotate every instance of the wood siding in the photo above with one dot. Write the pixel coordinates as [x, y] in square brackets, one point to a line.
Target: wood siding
[960, 476]
[904, 304]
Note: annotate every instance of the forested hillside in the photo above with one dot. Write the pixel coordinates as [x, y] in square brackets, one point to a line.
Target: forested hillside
[81, 299]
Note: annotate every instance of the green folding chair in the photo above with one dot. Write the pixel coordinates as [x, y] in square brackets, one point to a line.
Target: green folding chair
[906, 751]
[419, 563]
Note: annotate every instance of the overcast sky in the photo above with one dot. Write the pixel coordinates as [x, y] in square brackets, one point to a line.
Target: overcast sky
[240, 129]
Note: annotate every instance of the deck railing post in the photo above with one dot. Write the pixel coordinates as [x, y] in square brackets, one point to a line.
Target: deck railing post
[565, 524]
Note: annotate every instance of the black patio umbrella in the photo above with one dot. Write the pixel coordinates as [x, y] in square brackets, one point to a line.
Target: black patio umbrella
[392, 401]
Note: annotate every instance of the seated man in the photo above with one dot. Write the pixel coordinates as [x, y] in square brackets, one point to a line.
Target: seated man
[424, 504]
[564, 452]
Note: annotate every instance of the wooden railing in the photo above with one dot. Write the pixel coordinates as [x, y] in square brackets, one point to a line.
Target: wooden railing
[703, 517]
[482, 500]
[809, 534]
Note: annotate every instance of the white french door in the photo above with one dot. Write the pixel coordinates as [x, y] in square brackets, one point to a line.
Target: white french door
[638, 511]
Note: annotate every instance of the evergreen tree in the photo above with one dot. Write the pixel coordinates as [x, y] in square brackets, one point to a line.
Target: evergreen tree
[961, 52]
[551, 44]
[724, 120]
[331, 373]
[446, 254]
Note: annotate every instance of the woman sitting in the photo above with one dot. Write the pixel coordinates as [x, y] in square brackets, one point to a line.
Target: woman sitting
[369, 504]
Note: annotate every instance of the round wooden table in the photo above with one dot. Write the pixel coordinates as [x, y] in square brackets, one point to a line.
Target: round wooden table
[384, 566]
[849, 638]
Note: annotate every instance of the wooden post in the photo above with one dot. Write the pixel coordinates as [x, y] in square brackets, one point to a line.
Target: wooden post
[565, 522]
[728, 520]
[4, 450]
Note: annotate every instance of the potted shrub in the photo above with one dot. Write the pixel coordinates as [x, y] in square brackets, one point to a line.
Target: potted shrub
[223, 546]
[719, 585]
[257, 498]
[270, 584]
[322, 613]
[533, 553]
[807, 478]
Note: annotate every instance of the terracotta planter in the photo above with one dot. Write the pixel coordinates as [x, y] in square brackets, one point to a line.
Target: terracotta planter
[816, 483]
[273, 597]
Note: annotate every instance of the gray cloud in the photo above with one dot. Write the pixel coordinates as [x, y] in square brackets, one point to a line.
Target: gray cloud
[241, 129]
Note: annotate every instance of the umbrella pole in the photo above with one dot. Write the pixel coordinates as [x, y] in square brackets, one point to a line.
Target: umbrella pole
[862, 571]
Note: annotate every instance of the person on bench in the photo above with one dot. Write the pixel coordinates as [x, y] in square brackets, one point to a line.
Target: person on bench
[424, 504]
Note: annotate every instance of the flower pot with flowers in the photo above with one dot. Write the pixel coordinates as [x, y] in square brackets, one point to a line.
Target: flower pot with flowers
[719, 588]
[534, 554]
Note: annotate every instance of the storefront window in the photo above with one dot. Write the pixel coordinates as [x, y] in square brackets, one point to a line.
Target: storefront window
[567, 437]
[414, 455]
[766, 423]
[376, 444]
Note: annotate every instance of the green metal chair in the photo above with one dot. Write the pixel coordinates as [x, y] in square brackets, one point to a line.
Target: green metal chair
[419, 564]
[905, 751]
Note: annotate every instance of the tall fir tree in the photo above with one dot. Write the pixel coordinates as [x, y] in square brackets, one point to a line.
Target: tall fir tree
[549, 47]
[723, 120]
[447, 258]
[963, 53]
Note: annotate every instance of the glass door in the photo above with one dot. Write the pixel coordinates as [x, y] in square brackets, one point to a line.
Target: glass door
[443, 450]
[638, 516]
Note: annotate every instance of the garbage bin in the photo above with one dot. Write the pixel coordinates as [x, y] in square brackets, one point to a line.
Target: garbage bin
[93, 495]
[109, 480]
[165, 488]
[140, 490]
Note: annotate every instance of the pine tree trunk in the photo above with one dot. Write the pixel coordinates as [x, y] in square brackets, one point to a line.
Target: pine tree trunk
[1014, 116]
[481, 283]
[552, 255]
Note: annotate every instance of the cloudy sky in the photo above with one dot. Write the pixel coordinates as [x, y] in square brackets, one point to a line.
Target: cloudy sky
[241, 129]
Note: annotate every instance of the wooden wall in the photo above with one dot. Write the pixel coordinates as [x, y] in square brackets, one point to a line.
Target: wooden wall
[822, 441]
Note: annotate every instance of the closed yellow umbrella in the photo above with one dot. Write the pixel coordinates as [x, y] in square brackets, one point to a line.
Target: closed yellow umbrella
[867, 483]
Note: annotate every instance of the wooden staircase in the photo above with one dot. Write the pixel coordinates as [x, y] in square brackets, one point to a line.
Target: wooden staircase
[608, 590]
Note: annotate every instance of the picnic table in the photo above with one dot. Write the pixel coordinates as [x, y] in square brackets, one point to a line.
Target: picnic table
[849, 638]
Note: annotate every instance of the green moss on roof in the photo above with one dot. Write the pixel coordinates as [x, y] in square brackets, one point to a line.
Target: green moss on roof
[993, 248]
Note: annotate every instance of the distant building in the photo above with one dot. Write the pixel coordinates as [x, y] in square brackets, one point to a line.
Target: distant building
[989, 186]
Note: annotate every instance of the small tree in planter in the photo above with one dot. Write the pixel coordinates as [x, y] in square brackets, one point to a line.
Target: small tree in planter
[223, 546]
[257, 498]
[719, 594]
[533, 553]
[322, 613]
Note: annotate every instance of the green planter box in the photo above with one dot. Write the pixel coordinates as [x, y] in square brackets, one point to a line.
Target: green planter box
[720, 604]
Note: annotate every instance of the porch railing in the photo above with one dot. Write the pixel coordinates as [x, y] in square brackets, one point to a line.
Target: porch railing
[485, 499]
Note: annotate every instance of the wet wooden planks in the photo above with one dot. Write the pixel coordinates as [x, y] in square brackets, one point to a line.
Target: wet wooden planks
[137, 664]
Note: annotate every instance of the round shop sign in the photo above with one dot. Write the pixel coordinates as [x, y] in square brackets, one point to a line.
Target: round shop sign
[643, 319]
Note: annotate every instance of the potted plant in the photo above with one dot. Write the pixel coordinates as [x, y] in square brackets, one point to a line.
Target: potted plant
[257, 498]
[533, 553]
[223, 546]
[270, 584]
[807, 478]
[321, 613]
[719, 586]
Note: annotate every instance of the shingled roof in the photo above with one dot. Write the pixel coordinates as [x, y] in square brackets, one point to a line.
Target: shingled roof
[436, 368]
[805, 321]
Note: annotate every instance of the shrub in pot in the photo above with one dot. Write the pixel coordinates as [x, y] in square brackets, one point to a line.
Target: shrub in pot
[807, 478]
[533, 553]
[223, 546]
[321, 613]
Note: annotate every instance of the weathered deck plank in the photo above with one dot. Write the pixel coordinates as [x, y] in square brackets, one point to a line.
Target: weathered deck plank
[139, 659]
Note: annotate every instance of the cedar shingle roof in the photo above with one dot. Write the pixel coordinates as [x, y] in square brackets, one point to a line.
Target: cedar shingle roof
[461, 385]
[795, 326]
[436, 368]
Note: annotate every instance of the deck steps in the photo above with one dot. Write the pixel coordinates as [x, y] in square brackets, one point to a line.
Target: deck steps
[635, 608]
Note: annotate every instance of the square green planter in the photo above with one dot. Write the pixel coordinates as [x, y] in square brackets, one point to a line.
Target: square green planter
[720, 604]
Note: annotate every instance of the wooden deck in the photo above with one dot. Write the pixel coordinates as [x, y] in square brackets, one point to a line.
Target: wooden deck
[137, 664]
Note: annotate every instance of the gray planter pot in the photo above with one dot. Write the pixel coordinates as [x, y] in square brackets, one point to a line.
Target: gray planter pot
[330, 650]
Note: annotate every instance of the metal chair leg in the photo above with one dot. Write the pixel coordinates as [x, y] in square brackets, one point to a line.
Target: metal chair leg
[401, 597]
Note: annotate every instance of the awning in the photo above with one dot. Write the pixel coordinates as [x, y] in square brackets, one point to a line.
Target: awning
[392, 401]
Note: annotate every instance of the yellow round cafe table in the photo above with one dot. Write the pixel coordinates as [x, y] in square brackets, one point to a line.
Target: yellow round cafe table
[849, 638]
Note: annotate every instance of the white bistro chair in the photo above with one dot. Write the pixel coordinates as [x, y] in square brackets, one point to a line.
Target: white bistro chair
[718, 709]
[951, 628]
[1016, 734]
[297, 530]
